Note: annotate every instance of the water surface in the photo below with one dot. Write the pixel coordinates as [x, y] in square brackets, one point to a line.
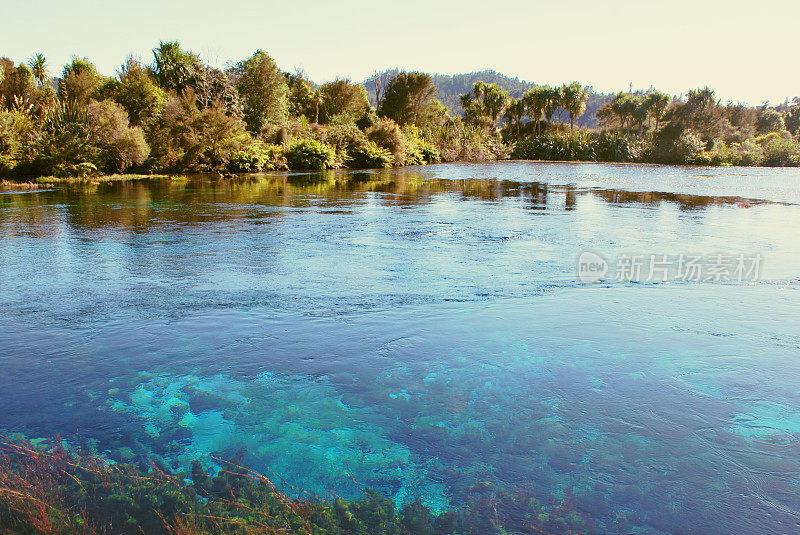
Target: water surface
[421, 329]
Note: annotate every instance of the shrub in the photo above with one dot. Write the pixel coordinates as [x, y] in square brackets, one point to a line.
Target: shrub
[369, 156]
[559, 146]
[63, 142]
[258, 156]
[781, 152]
[387, 134]
[749, 153]
[617, 147]
[15, 128]
[687, 147]
[120, 145]
[310, 154]
[419, 151]
[344, 136]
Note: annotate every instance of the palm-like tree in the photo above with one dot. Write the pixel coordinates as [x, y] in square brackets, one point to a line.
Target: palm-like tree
[535, 101]
[174, 68]
[574, 101]
[38, 65]
[514, 112]
[317, 99]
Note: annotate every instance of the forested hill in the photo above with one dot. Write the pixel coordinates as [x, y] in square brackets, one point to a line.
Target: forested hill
[450, 87]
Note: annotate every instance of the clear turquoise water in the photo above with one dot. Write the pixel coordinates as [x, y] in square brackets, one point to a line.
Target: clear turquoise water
[418, 330]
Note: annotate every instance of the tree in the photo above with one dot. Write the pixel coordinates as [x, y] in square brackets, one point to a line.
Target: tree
[79, 81]
[263, 89]
[388, 135]
[552, 102]
[38, 65]
[174, 68]
[220, 135]
[343, 96]
[656, 103]
[138, 93]
[515, 111]
[770, 120]
[793, 120]
[701, 112]
[409, 99]
[301, 97]
[212, 87]
[487, 101]
[573, 99]
[120, 145]
[625, 107]
[535, 101]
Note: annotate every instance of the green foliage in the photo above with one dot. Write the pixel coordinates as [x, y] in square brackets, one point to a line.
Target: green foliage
[688, 146]
[263, 89]
[617, 147]
[558, 146]
[780, 151]
[174, 144]
[79, 81]
[410, 99]
[793, 121]
[302, 100]
[485, 104]
[174, 68]
[770, 120]
[340, 97]
[310, 154]
[387, 134]
[62, 143]
[15, 129]
[343, 134]
[458, 140]
[418, 151]
[186, 138]
[138, 93]
[120, 145]
[257, 156]
[369, 156]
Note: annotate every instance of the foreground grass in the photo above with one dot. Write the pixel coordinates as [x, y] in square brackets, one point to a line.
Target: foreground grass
[46, 489]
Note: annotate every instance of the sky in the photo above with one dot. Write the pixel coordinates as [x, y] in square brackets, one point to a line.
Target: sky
[746, 50]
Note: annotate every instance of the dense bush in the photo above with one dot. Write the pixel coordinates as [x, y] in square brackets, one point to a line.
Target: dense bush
[387, 134]
[310, 154]
[62, 143]
[780, 151]
[558, 146]
[369, 156]
[15, 128]
[258, 156]
[688, 147]
[120, 145]
[617, 147]
[419, 151]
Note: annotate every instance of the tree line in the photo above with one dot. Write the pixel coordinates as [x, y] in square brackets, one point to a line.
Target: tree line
[176, 113]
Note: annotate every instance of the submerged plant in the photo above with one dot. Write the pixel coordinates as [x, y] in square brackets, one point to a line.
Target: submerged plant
[49, 489]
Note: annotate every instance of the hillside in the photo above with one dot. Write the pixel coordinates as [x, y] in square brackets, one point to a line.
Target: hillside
[450, 87]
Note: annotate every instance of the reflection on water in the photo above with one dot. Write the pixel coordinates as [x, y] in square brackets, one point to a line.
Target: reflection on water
[418, 330]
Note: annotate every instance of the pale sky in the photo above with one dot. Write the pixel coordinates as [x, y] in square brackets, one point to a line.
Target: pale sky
[746, 51]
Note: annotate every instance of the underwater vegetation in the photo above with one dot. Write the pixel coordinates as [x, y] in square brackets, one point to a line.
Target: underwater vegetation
[46, 488]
